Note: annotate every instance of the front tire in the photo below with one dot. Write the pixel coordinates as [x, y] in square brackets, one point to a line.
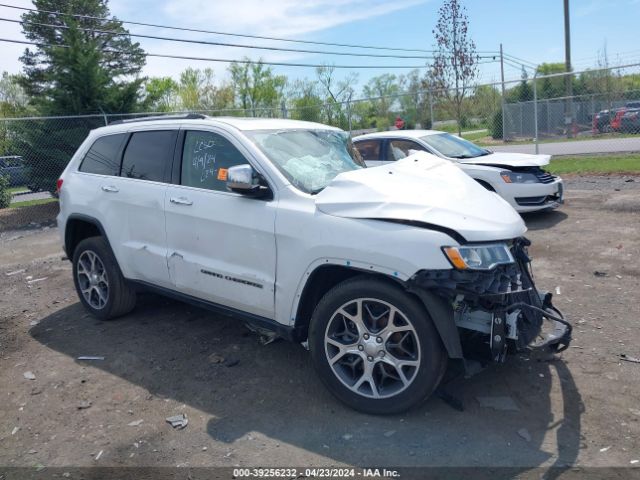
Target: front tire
[375, 347]
[99, 283]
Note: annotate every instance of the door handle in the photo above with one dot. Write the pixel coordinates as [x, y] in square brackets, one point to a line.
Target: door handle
[180, 201]
[110, 188]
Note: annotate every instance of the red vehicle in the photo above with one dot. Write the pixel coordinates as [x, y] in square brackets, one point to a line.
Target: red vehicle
[616, 121]
[399, 123]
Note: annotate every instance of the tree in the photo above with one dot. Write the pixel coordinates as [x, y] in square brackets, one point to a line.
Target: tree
[197, 90]
[486, 100]
[80, 66]
[551, 87]
[383, 91]
[77, 69]
[305, 101]
[13, 103]
[336, 94]
[13, 99]
[524, 91]
[257, 90]
[455, 63]
[415, 105]
[160, 94]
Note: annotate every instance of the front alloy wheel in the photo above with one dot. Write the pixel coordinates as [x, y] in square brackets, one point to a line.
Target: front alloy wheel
[372, 348]
[375, 346]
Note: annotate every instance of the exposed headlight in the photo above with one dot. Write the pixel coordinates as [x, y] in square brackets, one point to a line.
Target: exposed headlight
[517, 177]
[478, 257]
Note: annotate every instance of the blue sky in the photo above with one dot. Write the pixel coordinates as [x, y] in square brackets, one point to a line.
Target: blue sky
[532, 30]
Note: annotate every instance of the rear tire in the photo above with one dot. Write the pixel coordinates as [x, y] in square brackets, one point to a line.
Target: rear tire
[375, 347]
[102, 289]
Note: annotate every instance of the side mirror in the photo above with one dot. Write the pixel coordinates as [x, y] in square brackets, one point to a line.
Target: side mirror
[245, 180]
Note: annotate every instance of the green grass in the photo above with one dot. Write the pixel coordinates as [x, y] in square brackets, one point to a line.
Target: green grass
[595, 164]
[30, 203]
[476, 135]
[601, 136]
[20, 188]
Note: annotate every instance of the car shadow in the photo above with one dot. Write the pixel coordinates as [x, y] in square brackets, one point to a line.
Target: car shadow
[543, 220]
[216, 365]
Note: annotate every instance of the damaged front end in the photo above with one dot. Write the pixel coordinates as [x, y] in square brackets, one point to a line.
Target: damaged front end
[498, 309]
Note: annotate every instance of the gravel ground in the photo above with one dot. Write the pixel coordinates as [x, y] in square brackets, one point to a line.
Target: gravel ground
[250, 404]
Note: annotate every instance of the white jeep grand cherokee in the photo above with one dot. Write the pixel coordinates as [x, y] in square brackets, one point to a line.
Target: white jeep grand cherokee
[385, 273]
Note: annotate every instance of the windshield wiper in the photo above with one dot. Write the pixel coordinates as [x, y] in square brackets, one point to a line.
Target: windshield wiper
[316, 191]
[463, 156]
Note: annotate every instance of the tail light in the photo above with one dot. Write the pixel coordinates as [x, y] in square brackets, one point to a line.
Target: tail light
[59, 185]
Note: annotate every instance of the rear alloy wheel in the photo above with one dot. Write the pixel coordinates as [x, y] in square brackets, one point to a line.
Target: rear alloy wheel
[92, 280]
[375, 346]
[99, 282]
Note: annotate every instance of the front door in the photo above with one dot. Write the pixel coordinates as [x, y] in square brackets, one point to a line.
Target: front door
[221, 245]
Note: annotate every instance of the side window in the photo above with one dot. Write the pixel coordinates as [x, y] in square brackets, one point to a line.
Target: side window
[206, 156]
[369, 149]
[400, 149]
[148, 154]
[102, 157]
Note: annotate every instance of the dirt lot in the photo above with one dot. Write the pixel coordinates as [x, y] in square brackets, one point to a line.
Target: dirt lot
[264, 406]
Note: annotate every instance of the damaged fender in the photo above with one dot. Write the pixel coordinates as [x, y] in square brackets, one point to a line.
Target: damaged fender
[442, 315]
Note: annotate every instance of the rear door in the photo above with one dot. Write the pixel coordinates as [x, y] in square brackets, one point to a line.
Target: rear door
[135, 212]
[221, 245]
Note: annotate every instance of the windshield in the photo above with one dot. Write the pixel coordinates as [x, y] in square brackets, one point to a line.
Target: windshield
[310, 159]
[454, 147]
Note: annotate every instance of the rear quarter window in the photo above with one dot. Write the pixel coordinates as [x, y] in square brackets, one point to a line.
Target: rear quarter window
[103, 156]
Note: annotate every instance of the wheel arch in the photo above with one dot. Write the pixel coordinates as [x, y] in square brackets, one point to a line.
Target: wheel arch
[322, 279]
[485, 184]
[79, 227]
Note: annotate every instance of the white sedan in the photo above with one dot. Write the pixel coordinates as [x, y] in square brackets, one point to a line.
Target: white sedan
[516, 177]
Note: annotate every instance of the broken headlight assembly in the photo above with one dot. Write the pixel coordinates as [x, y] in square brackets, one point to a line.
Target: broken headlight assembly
[479, 257]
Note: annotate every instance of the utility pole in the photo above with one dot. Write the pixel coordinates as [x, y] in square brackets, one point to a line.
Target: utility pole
[568, 78]
[503, 97]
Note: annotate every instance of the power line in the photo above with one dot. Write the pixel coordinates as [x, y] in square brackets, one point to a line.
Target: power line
[260, 37]
[226, 60]
[205, 42]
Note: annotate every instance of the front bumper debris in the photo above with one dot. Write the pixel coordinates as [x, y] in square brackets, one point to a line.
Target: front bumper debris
[503, 302]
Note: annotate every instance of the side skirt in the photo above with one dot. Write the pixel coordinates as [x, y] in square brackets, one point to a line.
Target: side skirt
[283, 331]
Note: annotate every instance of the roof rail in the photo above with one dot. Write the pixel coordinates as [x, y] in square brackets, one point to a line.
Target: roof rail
[187, 116]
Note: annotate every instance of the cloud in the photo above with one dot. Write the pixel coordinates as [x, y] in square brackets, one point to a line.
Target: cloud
[10, 52]
[589, 8]
[278, 17]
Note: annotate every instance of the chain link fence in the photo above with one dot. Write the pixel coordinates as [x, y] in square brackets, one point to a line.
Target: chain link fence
[534, 115]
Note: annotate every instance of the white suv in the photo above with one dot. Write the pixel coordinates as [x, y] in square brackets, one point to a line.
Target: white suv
[384, 273]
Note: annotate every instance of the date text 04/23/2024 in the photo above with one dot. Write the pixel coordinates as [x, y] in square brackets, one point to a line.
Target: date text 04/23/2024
[322, 472]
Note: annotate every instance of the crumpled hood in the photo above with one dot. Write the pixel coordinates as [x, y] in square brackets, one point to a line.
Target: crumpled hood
[505, 159]
[422, 188]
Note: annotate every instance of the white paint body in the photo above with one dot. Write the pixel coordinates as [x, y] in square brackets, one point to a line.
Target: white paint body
[278, 243]
[486, 168]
